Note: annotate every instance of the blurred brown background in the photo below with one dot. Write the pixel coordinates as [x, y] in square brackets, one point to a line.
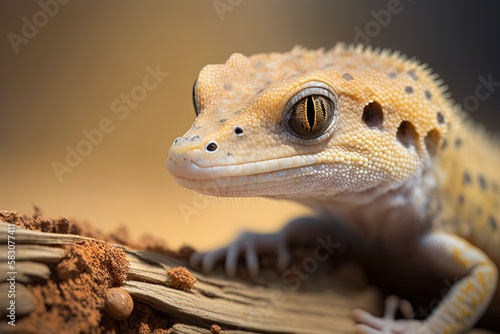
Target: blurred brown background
[67, 75]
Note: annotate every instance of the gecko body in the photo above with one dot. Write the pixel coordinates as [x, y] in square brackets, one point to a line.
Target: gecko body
[372, 141]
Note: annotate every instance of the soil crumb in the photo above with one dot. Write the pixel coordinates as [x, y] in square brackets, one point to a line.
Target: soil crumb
[215, 329]
[181, 278]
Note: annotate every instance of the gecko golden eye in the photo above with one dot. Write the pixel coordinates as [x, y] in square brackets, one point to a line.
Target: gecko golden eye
[311, 116]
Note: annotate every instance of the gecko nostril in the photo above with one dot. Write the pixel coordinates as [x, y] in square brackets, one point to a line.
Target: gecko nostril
[177, 140]
[211, 147]
[238, 131]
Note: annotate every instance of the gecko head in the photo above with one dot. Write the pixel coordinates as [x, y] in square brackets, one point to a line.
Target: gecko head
[304, 124]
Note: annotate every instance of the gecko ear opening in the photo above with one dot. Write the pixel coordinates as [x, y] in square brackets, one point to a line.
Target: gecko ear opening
[373, 115]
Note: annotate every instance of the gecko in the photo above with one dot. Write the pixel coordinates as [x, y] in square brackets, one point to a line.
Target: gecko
[372, 141]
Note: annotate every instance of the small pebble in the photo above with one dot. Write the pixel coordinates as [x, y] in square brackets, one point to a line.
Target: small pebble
[215, 329]
[118, 303]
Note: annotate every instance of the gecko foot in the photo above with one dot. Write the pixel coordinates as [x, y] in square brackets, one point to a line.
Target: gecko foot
[249, 244]
[369, 324]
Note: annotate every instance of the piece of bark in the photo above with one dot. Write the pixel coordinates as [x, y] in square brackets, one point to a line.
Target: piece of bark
[237, 306]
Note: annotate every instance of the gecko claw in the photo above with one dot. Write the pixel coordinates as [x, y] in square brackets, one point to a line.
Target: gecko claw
[250, 245]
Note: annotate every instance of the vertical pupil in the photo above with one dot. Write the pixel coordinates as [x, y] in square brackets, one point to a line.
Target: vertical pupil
[311, 112]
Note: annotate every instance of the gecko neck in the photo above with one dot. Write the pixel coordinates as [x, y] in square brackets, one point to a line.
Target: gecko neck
[401, 213]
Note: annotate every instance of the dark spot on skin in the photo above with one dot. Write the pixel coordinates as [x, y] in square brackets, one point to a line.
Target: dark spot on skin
[412, 75]
[373, 116]
[259, 91]
[443, 146]
[458, 142]
[228, 154]
[466, 179]
[440, 117]
[392, 75]
[482, 182]
[228, 86]
[461, 199]
[195, 138]
[428, 95]
[237, 112]
[407, 134]
[211, 147]
[222, 120]
[409, 90]
[347, 76]
[238, 131]
[493, 223]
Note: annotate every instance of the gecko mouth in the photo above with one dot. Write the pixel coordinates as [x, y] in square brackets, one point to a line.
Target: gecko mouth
[259, 178]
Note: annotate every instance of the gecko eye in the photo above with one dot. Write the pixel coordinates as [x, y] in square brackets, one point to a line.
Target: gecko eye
[311, 114]
[194, 98]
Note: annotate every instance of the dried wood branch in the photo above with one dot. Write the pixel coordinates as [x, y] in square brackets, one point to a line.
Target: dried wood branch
[237, 306]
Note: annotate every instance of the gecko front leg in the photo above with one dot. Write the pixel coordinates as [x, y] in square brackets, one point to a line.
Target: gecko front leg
[447, 256]
[250, 245]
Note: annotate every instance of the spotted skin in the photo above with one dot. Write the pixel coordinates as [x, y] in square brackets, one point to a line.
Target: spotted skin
[397, 163]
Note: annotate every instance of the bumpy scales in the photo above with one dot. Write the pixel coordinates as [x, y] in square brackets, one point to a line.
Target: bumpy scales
[369, 139]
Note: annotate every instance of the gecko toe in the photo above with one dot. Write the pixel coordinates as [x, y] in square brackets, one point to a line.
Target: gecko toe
[231, 264]
[253, 264]
[211, 258]
[406, 309]
[195, 260]
[284, 257]
[391, 307]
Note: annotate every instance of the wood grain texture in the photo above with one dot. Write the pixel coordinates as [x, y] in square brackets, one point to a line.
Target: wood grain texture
[237, 306]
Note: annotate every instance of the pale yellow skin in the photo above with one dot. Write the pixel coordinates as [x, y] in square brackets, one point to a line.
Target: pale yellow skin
[429, 194]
